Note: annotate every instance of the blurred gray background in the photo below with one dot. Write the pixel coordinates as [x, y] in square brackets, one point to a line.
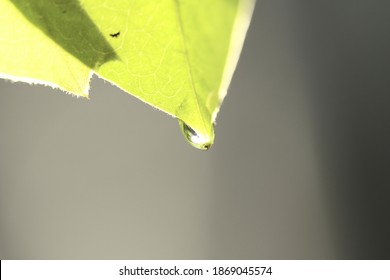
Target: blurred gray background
[300, 168]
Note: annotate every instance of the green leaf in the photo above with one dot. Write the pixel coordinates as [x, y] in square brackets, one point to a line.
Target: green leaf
[176, 55]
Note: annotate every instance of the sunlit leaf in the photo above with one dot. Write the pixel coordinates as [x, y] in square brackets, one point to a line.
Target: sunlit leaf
[176, 55]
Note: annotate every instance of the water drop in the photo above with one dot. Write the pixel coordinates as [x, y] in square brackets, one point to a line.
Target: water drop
[193, 138]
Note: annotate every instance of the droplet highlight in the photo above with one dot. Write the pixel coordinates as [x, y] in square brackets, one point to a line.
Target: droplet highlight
[193, 138]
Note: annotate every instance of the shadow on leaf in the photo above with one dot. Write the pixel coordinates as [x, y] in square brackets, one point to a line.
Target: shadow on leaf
[66, 23]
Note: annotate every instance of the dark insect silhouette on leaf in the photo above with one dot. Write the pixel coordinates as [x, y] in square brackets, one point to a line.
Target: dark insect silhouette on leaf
[115, 35]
